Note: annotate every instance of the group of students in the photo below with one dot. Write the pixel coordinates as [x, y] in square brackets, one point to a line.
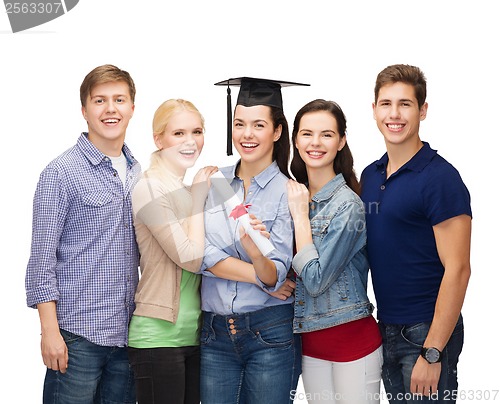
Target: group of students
[213, 318]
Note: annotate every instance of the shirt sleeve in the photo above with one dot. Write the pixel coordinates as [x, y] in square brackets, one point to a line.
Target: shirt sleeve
[445, 194]
[50, 207]
[214, 223]
[281, 231]
[341, 238]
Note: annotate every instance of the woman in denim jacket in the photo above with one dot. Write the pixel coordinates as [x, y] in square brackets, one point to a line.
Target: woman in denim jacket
[341, 352]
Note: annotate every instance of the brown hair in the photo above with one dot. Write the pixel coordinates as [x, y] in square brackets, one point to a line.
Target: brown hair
[343, 162]
[281, 149]
[408, 74]
[105, 74]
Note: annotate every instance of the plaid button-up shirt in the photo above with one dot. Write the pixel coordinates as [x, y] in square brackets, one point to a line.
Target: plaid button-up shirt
[83, 253]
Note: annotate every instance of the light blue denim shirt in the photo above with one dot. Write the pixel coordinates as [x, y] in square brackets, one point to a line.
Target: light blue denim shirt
[268, 198]
[332, 273]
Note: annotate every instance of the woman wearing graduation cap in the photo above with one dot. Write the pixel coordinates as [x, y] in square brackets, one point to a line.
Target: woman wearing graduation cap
[248, 350]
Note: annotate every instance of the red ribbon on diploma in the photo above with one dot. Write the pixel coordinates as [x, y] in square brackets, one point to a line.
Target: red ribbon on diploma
[239, 210]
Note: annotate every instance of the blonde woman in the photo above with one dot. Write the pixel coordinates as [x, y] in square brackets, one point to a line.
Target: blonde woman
[168, 217]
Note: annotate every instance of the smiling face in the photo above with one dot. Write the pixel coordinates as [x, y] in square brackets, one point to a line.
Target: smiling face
[318, 140]
[254, 136]
[108, 110]
[398, 115]
[182, 140]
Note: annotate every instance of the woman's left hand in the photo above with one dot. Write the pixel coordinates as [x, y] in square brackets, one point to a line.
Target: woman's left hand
[247, 242]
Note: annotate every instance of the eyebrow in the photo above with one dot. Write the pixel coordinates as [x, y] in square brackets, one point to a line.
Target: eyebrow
[323, 131]
[400, 100]
[105, 96]
[254, 121]
[187, 129]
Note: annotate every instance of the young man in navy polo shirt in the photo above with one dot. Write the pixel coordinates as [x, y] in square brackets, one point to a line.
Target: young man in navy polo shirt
[418, 219]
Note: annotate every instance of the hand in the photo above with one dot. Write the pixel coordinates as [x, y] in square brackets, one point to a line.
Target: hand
[54, 351]
[247, 242]
[201, 182]
[425, 377]
[284, 291]
[298, 199]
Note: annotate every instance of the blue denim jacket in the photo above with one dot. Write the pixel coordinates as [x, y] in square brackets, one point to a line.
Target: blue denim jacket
[332, 273]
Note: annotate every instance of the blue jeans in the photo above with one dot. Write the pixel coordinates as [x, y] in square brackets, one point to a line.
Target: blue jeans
[166, 375]
[249, 358]
[95, 374]
[402, 345]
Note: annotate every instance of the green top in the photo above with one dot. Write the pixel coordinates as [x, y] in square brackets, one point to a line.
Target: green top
[147, 332]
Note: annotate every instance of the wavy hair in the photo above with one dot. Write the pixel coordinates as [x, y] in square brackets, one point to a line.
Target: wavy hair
[343, 162]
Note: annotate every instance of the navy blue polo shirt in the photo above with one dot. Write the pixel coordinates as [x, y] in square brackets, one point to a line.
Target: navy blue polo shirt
[400, 213]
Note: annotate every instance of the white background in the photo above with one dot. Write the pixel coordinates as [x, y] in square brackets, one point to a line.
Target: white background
[178, 49]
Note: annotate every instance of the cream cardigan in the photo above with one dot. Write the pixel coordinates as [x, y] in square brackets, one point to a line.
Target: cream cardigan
[161, 233]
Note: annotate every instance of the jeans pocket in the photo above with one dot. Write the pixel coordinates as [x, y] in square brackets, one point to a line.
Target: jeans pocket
[70, 338]
[207, 333]
[415, 334]
[278, 335]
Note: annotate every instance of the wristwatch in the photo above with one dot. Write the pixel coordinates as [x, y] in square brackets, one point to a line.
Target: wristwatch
[431, 355]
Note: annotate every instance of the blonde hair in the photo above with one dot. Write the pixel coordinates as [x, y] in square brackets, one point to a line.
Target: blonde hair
[160, 121]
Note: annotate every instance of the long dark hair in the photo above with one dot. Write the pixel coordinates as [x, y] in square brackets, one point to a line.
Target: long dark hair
[281, 150]
[343, 162]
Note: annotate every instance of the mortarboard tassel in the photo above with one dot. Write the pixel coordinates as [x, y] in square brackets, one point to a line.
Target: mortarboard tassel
[229, 146]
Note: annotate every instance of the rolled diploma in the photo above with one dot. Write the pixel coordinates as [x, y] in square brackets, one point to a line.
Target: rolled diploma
[231, 200]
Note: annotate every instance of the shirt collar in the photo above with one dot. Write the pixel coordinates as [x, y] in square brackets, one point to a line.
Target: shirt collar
[263, 178]
[94, 155]
[329, 188]
[417, 163]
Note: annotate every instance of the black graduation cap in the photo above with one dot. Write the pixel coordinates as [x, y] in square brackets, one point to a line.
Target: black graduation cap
[253, 92]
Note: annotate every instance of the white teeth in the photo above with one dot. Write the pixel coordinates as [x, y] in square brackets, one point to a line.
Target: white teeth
[110, 121]
[395, 126]
[249, 145]
[187, 152]
[315, 153]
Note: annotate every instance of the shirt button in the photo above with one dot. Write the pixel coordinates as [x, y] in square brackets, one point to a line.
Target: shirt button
[233, 332]
[382, 187]
[312, 205]
[300, 325]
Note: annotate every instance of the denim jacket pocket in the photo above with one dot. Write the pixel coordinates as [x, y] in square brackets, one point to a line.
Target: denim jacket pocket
[319, 227]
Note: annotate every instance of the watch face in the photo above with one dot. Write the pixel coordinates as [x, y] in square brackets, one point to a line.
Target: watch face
[432, 355]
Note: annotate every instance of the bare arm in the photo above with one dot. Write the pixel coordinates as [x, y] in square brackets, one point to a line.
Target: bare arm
[453, 238]
[298, 202]
[54, 350]
[234, 269]
[264, 268]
